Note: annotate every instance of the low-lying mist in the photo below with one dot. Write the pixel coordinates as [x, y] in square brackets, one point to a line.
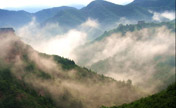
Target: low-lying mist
[146, 57]
[137, 55]
[74, 87]
[53, 39]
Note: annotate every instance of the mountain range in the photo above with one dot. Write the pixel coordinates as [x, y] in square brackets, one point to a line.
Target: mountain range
[126, 64]
[103, 11]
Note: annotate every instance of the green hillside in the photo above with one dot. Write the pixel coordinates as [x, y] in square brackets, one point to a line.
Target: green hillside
[17, 94]
[163, 99]
[67, 84]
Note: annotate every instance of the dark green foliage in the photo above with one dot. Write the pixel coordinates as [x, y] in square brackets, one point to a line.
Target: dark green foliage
[66, 64]
[164, 99]
[32, 68]
[15, 94]
[82, 74]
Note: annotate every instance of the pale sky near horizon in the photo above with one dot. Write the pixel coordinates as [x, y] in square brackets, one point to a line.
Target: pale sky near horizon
[49, 3]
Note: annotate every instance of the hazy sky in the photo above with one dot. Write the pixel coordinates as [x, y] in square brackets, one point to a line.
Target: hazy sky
[22, 4]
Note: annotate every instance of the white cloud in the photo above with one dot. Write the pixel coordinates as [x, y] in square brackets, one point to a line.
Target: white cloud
[63, 45]
[164, 15]
[49, 43]
[90, 23]
[169, 15]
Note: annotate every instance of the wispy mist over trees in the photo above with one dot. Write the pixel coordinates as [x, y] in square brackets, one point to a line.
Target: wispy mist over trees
[101, 55]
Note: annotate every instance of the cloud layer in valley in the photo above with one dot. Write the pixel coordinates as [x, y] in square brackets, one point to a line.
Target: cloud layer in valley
[123, 57]
[51, 39]
[69, 88]
[136, 55]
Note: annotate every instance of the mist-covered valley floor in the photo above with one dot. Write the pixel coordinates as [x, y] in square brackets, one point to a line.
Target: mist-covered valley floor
[100, 56]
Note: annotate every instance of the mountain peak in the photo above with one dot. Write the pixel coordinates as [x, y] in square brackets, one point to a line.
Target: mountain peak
[100, 3]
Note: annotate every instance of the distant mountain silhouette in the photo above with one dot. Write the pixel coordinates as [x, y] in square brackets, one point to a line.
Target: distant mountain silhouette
[48, 13]
[14, 18]
[106, 11]
[68, 17]
[103, 11]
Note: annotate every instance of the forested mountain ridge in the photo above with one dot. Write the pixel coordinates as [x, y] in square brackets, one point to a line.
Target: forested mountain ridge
[15, 93]
[135, 27]
[124, 64]
[105, 11]
[59, 81]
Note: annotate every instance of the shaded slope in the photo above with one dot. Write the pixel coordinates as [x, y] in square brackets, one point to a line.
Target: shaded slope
[163, 99]
[16, 94]
[45, 14]
[68, 18]
[108, 12]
